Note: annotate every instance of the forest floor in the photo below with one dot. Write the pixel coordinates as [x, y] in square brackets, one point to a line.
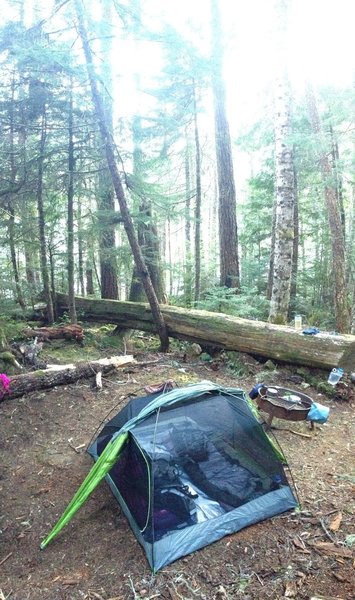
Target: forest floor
[303, 554]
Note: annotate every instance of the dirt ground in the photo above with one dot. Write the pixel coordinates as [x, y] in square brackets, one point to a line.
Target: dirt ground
[303, 555]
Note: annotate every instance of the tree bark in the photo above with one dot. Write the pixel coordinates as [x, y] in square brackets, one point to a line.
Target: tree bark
[61, 375]
[351, 276]
[188, 277]
[41, 223]
[80, 251]
[11, 231]
[117, 184]
[341, 306]
[198, 201]
[231, 333]
[284, 182]
[89, 280]
[228, 232]
[11, 222]
[70, 198]
[106, 195]
[68, 332]
[295, 251]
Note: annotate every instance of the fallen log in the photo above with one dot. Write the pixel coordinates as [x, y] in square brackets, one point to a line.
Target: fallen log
[19, 385]
[67, 332]
[257, 338]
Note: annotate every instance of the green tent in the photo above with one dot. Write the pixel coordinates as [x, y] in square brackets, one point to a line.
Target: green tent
[187, 467]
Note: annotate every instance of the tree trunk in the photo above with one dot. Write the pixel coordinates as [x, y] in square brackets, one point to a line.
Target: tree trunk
[106, 200]
[112, 164]
[136, 293]
[337, 176]
[30, 235]
[11, 211]
[351, 276]
[272, 254]
[51, 254]
[41, 225]
[80, 251]
[228, 232]
[70, 196]
[61, 375]
[90, 291]
[341, 307]
[188, 249]
[280, 343]
[11, 228]
[285, 209]
[284, 185]
[198, 200]
[295, 252]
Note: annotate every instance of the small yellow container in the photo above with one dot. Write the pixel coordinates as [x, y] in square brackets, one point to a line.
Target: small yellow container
[298, 321]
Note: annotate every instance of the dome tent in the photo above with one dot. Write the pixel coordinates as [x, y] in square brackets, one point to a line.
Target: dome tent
[187, 467]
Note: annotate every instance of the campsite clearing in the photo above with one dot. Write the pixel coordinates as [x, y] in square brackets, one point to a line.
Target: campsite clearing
[97, 557]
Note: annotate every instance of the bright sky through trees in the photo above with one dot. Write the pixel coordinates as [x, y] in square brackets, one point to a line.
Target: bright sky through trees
[321, 42]
[321, 48]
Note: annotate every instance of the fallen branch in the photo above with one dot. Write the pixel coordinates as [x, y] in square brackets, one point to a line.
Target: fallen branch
[306, 435]
[61, 375]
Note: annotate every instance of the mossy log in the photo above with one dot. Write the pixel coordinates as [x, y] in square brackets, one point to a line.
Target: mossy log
[67, 332]
[61, 375]
[257, 338]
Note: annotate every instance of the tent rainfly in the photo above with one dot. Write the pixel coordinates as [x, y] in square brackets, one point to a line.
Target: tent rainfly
[187, 467]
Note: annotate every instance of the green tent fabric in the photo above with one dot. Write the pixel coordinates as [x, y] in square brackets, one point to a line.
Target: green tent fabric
[97, 473]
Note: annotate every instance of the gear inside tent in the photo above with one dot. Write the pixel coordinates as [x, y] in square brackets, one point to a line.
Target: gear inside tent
[187, 467]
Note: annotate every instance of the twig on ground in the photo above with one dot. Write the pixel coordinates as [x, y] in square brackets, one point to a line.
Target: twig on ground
[5, 558]
[182, 579]
[131, 585]
[306, 435]
[258, 578]
[329, 535]
[76, 449]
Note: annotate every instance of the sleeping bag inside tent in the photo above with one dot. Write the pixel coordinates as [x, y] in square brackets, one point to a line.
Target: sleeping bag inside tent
[190, 466]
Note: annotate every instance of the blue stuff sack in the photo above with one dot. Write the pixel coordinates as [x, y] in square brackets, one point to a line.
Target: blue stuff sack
[311, 331]
[318, 413]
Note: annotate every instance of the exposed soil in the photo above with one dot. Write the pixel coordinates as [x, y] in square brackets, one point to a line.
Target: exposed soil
[301, 555]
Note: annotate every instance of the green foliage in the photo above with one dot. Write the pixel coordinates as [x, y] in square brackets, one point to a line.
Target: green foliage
[235, 364]
[248, 304]
[11, 329]
[205, 357]
[64, 319]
